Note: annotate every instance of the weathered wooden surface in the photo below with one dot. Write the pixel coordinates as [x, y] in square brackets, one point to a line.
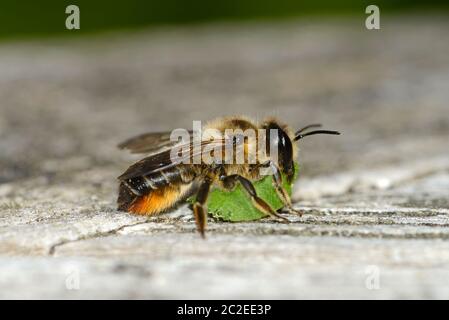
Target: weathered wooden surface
[376, 198]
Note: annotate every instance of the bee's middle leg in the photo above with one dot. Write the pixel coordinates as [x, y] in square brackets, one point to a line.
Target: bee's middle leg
[259, 203]
[199, 207]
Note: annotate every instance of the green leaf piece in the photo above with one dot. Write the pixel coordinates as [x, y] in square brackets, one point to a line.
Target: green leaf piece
[236, 205]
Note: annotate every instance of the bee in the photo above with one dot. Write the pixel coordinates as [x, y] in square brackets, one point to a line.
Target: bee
[158, 182]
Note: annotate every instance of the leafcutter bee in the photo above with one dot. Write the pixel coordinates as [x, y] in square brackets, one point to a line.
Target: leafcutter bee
[176, 169]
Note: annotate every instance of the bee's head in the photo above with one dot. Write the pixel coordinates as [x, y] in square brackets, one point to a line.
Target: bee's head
[280, 140]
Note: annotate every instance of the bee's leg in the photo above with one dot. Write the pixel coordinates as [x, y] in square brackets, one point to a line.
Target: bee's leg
[199, 207]
[257, 202]
[283, 194]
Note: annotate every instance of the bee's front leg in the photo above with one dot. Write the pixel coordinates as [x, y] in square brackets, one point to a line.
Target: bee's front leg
[259, 203]
[280, 190]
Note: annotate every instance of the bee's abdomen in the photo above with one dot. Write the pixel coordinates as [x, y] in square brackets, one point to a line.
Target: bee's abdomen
[158, 191]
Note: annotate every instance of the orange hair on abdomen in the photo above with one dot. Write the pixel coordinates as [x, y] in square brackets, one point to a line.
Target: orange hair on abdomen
[156, 201]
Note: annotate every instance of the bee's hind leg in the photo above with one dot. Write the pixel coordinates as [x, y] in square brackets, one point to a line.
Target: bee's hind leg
[259, 203]
[199, 207]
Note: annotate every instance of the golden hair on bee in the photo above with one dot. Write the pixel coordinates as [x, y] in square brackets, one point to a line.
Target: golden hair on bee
[160, 181]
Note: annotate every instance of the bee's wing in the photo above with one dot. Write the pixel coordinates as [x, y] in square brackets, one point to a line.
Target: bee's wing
[148, 142]
[162, 160]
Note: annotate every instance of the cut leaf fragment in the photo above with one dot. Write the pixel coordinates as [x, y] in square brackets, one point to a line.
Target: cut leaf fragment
[236, 205]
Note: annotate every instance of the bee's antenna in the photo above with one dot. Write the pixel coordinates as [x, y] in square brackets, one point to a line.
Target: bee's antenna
[300, 136]
[315, 125]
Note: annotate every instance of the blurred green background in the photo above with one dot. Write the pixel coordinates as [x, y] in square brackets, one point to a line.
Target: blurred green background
[26, 18]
